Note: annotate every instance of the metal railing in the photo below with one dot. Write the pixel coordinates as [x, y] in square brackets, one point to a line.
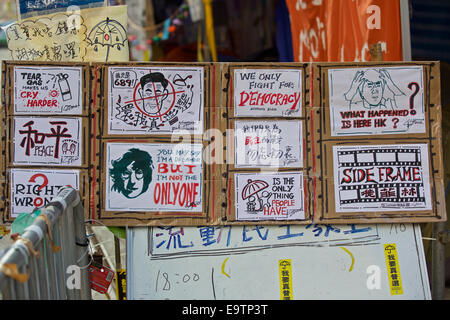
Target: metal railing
[49, 261]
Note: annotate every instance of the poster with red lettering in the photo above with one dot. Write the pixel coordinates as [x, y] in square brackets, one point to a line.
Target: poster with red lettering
[47, 141]
[275, 196]
[35, 188]
[150, 177]
[267, 92]
[376, 100]
[268, 144]
[373, 178]
[48, 90]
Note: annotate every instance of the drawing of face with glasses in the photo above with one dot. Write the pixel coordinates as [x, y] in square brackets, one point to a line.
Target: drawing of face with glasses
[132, 173]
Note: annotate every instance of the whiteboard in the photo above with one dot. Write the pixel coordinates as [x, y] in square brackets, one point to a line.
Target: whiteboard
[250, 262]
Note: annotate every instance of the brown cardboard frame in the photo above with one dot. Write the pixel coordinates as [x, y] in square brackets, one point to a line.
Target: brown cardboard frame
[153, 218]
[323, 142]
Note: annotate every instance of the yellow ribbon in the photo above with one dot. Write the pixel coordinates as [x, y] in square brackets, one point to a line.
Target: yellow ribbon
[10, 269]
[29, 245]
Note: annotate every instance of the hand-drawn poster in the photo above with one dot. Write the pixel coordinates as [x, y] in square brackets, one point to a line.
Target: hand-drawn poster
[154, 177]
[278, 196]
[96, 35]
[268, 143]
[36, 188]
[47, 141]
[43, 90]
[378, 100]
[381, 178]
[267, 92]
[155, 100]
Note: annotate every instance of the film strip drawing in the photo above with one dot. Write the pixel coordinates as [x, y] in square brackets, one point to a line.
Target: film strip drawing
[381, 178]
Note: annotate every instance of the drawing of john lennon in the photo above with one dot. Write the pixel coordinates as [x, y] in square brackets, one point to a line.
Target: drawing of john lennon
[132, 173]
[153, 91]
[372, 88]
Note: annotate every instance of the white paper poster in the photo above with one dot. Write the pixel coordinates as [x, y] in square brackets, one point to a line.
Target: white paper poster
[387, 100]
[154, 177]
[47, 141]
[36, 188]
[278, 196]
[268, 144]
[166, 100]
[381, 178]
[267, 92]
[44, 90]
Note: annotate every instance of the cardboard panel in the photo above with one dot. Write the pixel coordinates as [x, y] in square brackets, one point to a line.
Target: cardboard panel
[155, 99]
[149, 182]
[381, 182]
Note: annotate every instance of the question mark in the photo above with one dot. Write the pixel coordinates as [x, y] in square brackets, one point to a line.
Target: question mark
[38, 201]
[43, 176]
[395, 121]
[411, 98]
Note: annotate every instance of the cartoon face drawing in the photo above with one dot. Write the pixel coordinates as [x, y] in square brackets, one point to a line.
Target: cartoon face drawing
[373, 88]
[132, 173]
[153, 92]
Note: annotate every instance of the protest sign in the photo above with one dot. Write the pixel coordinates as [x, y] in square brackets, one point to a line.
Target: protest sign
[154, 177]
[47, 141]
[267, 92]
[155, 100]
[96, 34]
[48, 90]
[278, 196]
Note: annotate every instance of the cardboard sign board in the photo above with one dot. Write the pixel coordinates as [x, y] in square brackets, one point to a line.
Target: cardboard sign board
[155, 100]
[153, 183]
[267, 146]
[154, 177]
[378, 144]
[325, 142]
[255, 262]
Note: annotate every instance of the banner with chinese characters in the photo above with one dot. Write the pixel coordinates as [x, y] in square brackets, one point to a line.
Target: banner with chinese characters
[344, 30]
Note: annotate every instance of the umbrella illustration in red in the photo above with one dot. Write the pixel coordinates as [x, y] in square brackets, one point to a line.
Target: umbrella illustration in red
[250, 192]
[109, 33]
